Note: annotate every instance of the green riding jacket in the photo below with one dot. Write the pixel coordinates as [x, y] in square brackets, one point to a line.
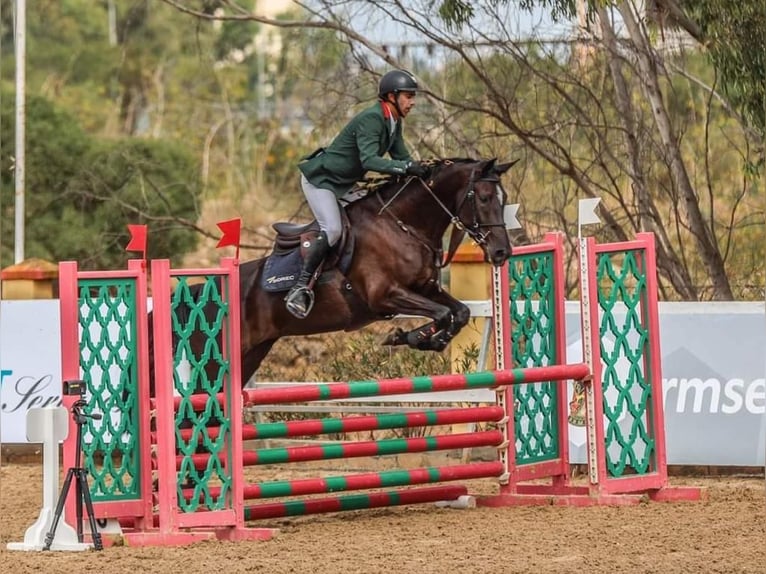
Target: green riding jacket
[358, 148]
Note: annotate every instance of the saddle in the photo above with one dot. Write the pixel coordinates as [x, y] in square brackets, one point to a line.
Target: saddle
[283, 265]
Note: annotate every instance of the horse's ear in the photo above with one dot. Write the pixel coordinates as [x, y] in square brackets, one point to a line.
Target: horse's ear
[488, 166]
[503, 167]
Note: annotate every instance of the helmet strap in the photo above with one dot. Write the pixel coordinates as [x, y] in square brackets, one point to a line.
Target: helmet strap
[391, 109]
[396, 111]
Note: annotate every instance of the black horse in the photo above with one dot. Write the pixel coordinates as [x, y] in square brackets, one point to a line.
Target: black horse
[387, 264]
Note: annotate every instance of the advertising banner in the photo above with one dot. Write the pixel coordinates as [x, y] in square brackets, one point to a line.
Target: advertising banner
[30, 363]
[713, 366]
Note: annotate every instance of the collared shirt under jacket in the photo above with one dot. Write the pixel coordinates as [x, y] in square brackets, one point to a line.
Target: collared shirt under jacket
[358, 148]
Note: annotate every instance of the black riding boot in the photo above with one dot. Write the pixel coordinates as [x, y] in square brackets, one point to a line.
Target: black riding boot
[300, 299]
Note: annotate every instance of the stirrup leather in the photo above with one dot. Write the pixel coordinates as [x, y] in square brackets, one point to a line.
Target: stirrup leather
[299, 301]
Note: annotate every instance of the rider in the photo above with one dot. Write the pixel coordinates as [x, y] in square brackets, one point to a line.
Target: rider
[328, 173]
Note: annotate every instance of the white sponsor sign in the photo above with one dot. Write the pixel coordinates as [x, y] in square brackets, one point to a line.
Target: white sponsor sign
[712, 364]
[713, 382]
[30, 363]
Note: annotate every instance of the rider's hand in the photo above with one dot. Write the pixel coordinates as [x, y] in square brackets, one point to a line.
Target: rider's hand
[418, 169]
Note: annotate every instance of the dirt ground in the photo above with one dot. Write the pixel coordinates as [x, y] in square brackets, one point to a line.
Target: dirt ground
[726, 534]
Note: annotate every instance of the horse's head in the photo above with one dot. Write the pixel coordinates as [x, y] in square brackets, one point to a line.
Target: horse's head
[479, 202]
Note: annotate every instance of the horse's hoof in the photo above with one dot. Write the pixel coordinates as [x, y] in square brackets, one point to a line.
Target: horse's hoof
[436, 342]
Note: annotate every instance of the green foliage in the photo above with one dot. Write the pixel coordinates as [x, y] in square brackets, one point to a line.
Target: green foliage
[736, 34]
[458, 12]
[134, 181]
[56, 148]
[733, 31]
[81, 192]
[455, 12]
[69, 59]
[362, 357]
[156, 73]
[234, 36]
[568, 111]
[469, 360]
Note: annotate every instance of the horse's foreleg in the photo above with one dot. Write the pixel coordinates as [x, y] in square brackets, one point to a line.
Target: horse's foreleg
[420, 338]
[461, 314]
[436, 337]
[449, 316]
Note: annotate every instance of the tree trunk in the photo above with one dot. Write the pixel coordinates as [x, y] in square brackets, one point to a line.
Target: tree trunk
[703, 236]
[648, 217]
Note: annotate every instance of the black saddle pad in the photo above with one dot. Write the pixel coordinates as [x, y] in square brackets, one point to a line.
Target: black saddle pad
[281, 270]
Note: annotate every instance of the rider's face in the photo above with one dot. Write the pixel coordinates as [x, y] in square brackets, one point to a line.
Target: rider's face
[405, 101]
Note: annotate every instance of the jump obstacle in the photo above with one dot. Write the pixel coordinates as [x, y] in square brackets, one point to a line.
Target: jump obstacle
[189, 440]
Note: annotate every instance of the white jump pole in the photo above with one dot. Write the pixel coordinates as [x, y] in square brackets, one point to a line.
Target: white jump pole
[586, 215]
[499, 331]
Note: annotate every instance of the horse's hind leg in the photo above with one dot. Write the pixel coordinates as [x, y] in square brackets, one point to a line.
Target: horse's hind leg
[419, 338]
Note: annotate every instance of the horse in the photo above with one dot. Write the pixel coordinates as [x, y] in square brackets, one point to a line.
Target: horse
[387, 263]
[393, 256]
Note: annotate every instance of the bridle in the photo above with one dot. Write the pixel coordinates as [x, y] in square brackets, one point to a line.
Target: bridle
[460, 227]
[473, 230]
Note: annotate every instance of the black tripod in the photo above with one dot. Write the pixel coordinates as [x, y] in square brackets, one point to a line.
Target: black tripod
[82, 489]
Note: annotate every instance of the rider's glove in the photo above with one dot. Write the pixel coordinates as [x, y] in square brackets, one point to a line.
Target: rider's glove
[418, 169]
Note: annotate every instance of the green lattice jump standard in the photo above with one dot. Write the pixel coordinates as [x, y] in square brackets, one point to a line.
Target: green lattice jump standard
[109, 366]
[625, 349]
[200, 319]
[533, 324]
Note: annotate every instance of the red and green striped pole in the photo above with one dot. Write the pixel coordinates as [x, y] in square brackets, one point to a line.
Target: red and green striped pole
[382, 479]
[452, 382]
[354, 502]
[383, 387]
[351, 449]
[312, 427]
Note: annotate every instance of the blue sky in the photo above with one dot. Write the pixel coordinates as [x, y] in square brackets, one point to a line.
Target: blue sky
[507, 18]
[504, 22]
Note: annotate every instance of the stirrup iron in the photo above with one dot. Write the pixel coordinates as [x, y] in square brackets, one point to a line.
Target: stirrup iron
[300, 301]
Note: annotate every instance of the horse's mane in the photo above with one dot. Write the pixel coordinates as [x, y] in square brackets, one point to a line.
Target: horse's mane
[383, 184]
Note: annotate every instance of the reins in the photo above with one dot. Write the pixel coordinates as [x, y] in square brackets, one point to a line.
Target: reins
[460, 228]
[384, 208]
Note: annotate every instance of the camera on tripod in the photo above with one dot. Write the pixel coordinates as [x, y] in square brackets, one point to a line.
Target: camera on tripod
[77, 473]
[75, 388]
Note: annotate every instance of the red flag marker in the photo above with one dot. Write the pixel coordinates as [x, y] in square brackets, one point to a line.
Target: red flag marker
[231, 230]
[137, 239]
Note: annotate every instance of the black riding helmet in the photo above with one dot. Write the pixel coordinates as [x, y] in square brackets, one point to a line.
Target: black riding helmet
[396, 81]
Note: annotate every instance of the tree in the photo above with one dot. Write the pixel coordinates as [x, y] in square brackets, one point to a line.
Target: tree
[612, 124]
[131, 180]
[81, 192]
[151, 77]
[733, 34]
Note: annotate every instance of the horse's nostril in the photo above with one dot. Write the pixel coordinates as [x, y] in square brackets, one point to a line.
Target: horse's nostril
[500, 254]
